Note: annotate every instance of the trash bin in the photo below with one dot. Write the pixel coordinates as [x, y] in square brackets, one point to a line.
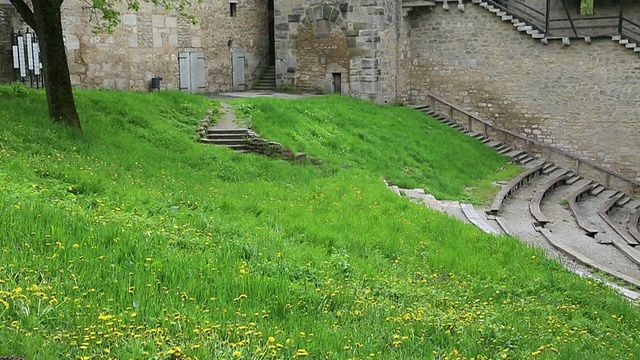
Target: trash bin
[155, 83]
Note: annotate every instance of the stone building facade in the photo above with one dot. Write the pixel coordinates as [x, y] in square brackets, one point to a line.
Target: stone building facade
[148, 44]
[580, 98]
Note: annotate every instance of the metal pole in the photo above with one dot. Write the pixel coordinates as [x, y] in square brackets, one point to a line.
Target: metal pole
[621, 17]
[547, 11]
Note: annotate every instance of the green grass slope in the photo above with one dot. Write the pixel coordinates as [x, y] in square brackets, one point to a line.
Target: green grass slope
[134, 241]
[399, 144]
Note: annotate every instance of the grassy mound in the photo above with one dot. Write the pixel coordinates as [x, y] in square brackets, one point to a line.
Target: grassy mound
[134, 241]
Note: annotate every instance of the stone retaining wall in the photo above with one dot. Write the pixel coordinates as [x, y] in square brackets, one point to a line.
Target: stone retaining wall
[582, 98]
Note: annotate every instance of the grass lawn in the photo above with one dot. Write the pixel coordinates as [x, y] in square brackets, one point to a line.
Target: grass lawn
[132, 240]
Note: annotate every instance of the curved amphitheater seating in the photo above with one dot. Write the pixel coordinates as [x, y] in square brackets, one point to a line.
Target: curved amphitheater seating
[534, 205]
[577, 213]
[513, 186]
[604, 214]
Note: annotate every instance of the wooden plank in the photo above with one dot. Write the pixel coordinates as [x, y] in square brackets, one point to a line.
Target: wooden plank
[534, 205]
[577, 213]
[604, 214]
[634, 221]
[512, 186]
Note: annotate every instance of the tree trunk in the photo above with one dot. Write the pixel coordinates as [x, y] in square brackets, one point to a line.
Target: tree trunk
[48, 21]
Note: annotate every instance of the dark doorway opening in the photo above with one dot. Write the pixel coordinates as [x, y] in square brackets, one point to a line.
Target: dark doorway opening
[272, 42]
[337, 83]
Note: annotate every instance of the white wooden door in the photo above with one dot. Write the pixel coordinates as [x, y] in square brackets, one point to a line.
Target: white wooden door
[237, 61]
[192, 71]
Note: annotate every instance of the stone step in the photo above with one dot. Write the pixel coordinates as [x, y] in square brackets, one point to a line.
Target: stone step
[227, 131]
[537, 36]
[623, 201]
[597, 190]
[513, 153]
[636, 49]
[616, 37]
[549, 168]
[507, 18]
[226, 136]
[232, 146]
[631, 45]
[524, 28]
[573, 179]
[623, 41]
[225, 141]
[527, 160]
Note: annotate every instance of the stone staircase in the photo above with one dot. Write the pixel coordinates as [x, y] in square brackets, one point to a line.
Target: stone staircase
[578, 221]
[519, 24]
[267, 80]
[235, 139]
[629, 44]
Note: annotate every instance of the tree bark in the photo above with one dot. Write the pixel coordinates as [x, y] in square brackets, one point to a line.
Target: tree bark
[46, 20]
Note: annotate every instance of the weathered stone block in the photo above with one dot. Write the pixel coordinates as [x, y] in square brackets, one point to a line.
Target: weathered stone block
[294, 18]
[369, 63]
[129, 20]
[368, 32]
[361, 25]
[375, 11]
[286, 154]
[282, 26]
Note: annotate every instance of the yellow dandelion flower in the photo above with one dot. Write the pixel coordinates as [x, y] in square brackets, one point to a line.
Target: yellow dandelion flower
[271, 338]
[302, 352]
[237, 353]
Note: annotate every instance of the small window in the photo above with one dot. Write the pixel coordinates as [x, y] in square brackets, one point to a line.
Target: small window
[322, 28]
[233, 10]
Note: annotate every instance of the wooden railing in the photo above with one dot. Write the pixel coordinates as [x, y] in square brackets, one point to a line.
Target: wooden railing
[605, 176]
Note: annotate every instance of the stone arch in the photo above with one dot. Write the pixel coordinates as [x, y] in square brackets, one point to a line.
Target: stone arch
[322, 57]
[332, 14]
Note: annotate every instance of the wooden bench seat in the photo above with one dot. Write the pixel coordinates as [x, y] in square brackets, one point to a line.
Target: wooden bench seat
[513, 186]
[604, 214]
[634, 221]
[577, 213]
[534, 205]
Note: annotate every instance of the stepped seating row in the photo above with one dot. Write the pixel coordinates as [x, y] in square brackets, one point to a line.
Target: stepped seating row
[577, 213]
[534, 205]
[513, 186]
[603, 212]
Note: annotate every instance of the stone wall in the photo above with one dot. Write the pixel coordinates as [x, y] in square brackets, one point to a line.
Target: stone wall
[147, 43]
[581, 98]
[370, 28]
